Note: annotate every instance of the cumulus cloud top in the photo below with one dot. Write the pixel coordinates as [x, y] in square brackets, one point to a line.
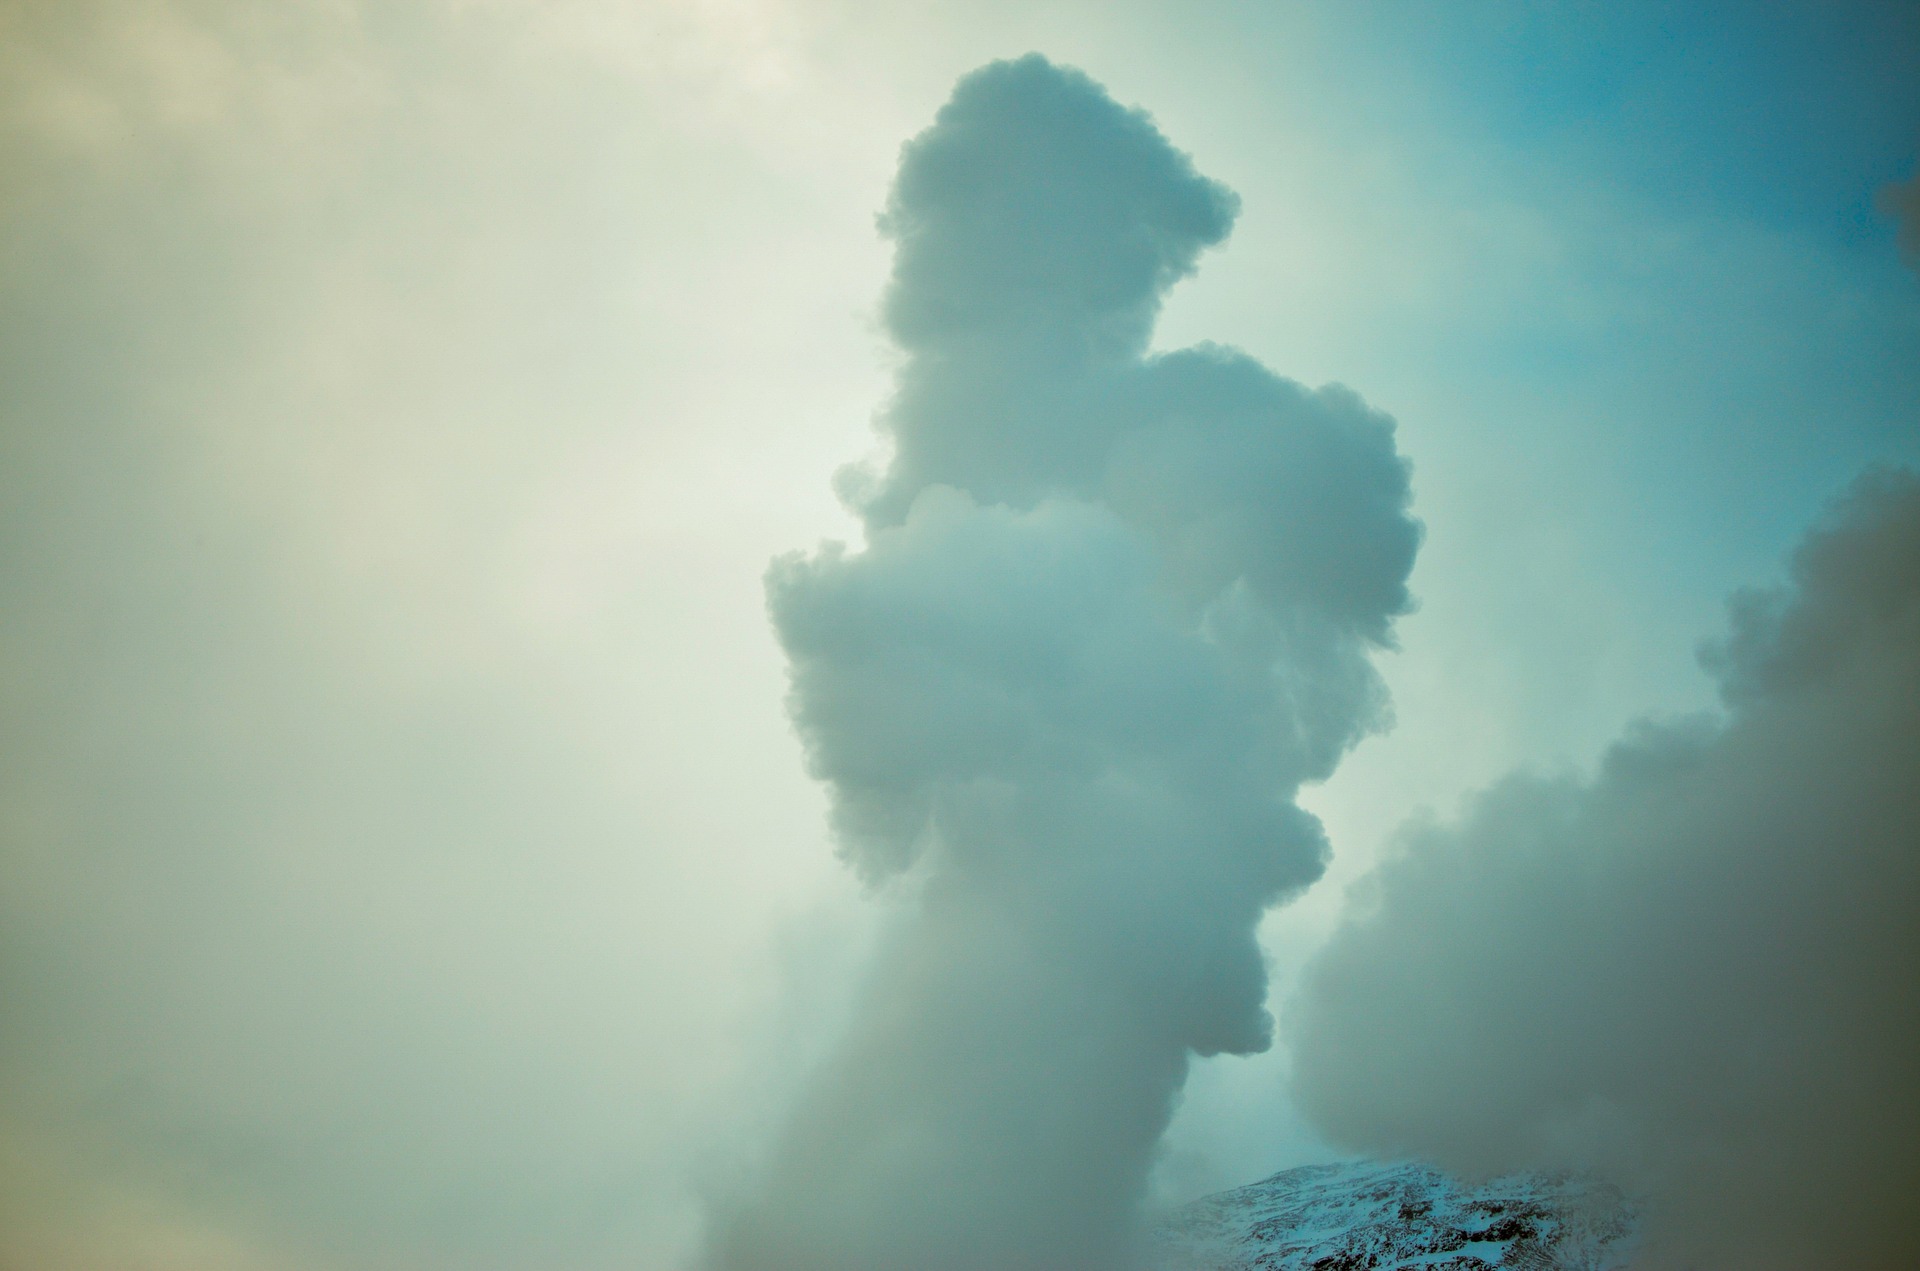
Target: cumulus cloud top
[1035, 206]
[1111, 612]
[1695, 971]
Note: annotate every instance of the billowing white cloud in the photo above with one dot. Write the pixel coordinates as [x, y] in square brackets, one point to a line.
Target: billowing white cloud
[1112, 610]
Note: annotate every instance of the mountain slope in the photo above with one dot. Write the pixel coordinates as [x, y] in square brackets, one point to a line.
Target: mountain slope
[1368, 1217]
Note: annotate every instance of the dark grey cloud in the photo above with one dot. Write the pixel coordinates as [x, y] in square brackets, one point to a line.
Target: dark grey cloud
[1112, 610]
[1696, 971]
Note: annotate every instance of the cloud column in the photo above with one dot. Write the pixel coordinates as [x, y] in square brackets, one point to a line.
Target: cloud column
[1112, 610]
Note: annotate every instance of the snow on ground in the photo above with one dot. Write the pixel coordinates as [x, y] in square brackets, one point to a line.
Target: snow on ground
[1364, 1216]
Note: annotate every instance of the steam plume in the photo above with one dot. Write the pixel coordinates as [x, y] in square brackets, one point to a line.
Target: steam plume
[1699, 972]
[1112, 610]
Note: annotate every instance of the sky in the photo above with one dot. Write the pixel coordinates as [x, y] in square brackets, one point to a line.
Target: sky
[410, 859]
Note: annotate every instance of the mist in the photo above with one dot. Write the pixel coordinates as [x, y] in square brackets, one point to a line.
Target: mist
[1112, 609]
[363, 904]
[1693, 972]
[407, 856]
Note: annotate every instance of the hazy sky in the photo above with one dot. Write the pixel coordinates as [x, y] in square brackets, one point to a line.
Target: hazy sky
[408, 861]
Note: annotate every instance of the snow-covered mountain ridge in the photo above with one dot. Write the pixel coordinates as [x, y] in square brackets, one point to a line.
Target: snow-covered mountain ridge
[1364, 1216]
